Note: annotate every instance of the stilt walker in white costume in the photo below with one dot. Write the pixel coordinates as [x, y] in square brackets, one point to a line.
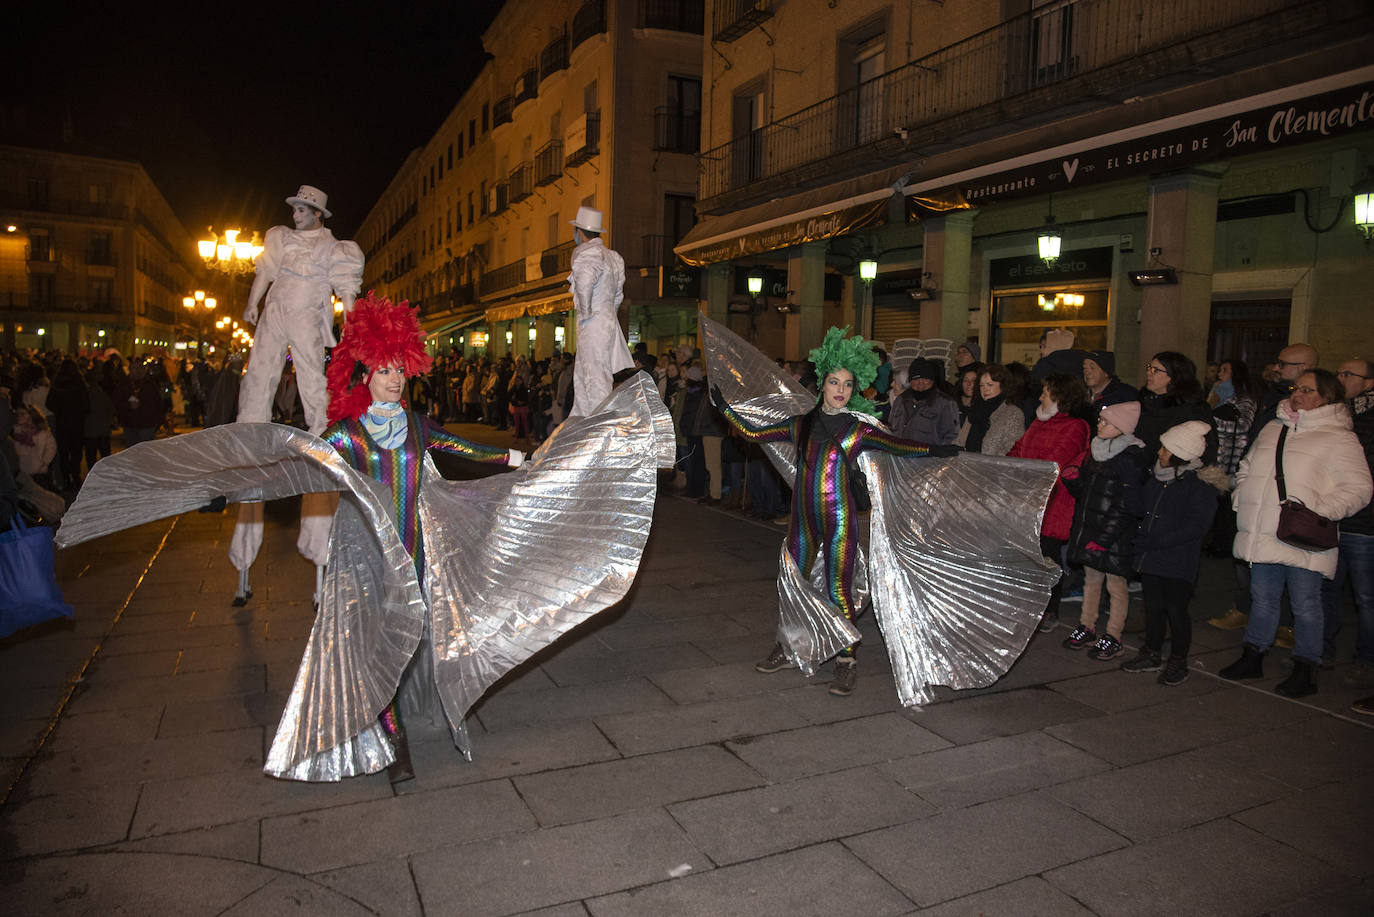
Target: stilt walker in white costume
[297, 271]
[598, 287]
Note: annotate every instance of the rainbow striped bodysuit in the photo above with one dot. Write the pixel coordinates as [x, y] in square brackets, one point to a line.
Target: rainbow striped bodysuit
[822, 508]
[400, 468]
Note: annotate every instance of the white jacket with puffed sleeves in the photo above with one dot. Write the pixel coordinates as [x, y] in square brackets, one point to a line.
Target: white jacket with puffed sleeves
[1323, 466]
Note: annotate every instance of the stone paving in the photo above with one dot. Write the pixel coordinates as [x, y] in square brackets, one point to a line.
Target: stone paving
[641, 766]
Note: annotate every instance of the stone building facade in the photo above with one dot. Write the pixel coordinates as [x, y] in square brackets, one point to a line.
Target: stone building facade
[583, 103]
[1211, 147]
[91, 255]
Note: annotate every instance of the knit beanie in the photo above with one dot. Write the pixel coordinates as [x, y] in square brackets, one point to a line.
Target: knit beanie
[923, 368]
[1123, 416]
[1105, 359]
[1188, 440]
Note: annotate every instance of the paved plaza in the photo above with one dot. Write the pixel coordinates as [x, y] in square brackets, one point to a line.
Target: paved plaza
[642, 767]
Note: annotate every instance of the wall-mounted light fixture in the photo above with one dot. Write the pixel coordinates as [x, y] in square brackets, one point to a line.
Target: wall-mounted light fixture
[1156, 273]
[926, 291]
[1054, 300]
[755, 282]
[1364, 208]
[1050, 239]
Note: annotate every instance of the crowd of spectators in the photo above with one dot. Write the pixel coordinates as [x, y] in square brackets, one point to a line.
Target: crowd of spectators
[1110, 440]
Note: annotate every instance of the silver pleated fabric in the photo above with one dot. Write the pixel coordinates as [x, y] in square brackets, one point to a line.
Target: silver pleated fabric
[513, 562]
[954, 570]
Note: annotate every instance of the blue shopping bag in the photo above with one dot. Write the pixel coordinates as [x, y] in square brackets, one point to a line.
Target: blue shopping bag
[28, 583]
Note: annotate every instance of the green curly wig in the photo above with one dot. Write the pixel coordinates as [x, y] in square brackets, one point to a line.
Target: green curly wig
[854, 354]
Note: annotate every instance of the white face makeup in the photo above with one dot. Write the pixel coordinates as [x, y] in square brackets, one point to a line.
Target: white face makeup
[839, 386]
[305, 217]
[387, 383]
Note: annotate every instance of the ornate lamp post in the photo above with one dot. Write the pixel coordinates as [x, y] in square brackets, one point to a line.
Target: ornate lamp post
[191, 303]
[230, 255]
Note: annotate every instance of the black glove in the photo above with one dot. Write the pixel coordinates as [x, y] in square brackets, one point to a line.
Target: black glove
[216, 505]
[717, 397]
[945, 451]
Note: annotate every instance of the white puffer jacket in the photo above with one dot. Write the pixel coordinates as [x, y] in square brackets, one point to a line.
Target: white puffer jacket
[1323, 466]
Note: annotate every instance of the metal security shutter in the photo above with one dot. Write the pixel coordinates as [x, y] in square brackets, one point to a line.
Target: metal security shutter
[895, 316]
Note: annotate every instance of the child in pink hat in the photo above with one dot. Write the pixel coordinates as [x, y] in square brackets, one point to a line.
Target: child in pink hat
[1106, 503]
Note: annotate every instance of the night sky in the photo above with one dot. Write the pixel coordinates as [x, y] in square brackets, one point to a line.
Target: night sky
[230, 115]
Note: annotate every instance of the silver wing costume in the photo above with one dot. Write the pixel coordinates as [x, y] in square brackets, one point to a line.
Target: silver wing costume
[954, 568]
[512, 562]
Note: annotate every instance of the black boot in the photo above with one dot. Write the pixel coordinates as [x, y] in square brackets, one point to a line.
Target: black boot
[1302, 682]
[1249, 665]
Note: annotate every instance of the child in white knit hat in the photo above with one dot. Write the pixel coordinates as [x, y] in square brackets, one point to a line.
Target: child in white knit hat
[1178, 509]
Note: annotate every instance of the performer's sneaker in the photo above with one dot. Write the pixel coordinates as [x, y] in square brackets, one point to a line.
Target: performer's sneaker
[776, 661]
[1081, 637]
[846, 676]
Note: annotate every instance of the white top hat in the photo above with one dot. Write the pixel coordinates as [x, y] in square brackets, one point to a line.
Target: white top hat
[311, 196]
[588, 219]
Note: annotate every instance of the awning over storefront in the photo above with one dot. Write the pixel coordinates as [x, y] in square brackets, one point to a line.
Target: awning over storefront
[547, 305]
[809, 216]
[455, 325]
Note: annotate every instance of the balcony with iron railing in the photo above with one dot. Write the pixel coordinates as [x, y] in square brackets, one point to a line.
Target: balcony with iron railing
[677, 131]
[592, 143]
[588, 21]
[500, 198]
[503, 278]
[673, 15]
[33, 300]
[1030, 65]
[554, 57]
[548, 163]
[527, 87]
[72, 207]
[731, 19]
[521, 182]
[557, 260]
[501, 111]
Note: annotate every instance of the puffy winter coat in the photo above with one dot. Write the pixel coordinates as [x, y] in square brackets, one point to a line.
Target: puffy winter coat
[1063, 440]
[1177, 514]
[1158, 413]
[1106, 508]
[1323, 466]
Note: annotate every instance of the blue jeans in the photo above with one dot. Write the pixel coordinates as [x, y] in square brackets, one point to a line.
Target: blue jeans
[1357, 564]
[1305, 597]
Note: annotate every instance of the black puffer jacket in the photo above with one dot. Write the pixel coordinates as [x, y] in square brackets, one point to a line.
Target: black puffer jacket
[1158, 413]
[1106, 508]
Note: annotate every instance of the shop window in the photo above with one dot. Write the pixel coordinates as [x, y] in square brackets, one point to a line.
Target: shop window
[1021, 316]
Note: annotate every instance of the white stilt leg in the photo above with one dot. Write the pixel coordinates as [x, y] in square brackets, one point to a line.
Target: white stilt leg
[245, 590]
[319, 584]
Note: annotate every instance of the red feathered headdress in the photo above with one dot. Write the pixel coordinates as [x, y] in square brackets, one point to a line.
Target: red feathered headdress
[376, 333]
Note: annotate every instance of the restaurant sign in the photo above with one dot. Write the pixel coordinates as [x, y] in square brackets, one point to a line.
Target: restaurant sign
[785, 235]
[1318, 117]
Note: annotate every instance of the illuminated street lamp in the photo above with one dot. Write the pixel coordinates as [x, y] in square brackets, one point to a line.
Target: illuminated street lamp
[198, 298]
[755, 281]
[228, 253]
[1364, 208]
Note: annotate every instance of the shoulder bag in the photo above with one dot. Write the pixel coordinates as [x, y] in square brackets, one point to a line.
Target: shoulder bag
[1299, 526]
